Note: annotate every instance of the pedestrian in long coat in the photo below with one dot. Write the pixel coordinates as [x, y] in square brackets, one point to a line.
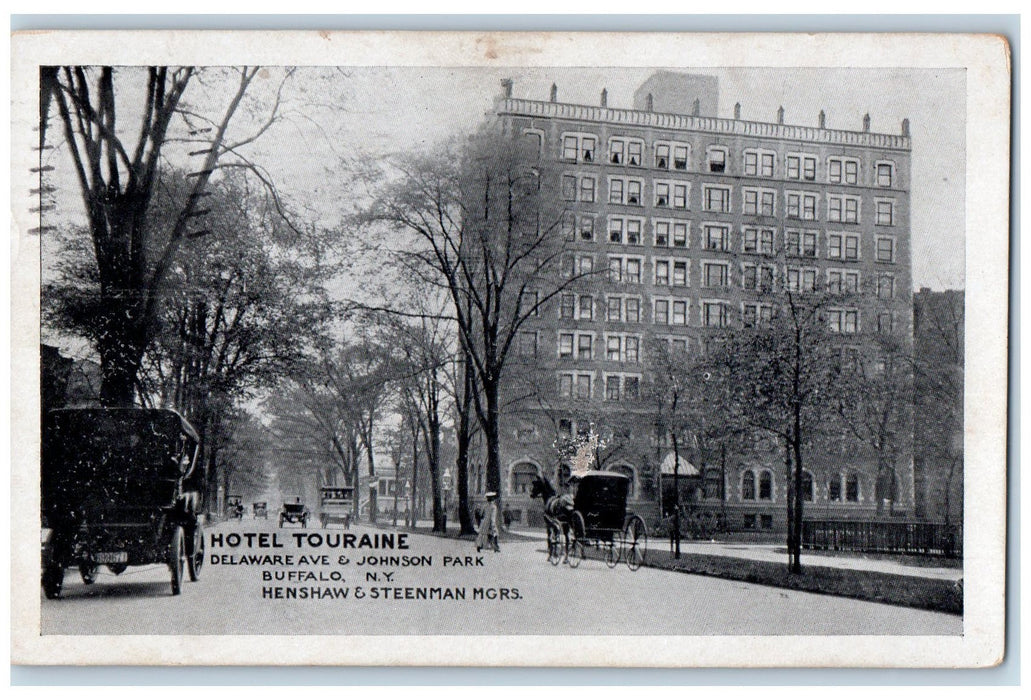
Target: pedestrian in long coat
[487, 537]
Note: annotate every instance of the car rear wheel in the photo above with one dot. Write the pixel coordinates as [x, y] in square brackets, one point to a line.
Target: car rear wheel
[196, 555]
[177, 558]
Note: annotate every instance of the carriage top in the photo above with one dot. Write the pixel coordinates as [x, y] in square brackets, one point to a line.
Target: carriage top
[601, 498]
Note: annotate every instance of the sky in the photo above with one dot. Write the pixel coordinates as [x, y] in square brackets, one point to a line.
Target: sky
[335, 117]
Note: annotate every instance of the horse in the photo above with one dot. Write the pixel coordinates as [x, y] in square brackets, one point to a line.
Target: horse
[558, 508]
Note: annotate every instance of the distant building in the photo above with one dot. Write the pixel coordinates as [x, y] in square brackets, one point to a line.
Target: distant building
[938, 352]
[694, 217]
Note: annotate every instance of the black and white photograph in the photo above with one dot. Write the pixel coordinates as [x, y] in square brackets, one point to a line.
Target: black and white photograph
[650, 350]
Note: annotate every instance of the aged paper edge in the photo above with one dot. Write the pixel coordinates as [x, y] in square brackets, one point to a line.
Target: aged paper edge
[986, 59]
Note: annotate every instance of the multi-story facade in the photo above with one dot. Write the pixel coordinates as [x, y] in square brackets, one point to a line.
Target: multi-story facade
[677, 222]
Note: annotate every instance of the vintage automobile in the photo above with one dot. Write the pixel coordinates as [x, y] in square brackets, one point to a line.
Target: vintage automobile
[294, 512]
[260, 509]
[119, 487]
[335, 505]
[234, 507]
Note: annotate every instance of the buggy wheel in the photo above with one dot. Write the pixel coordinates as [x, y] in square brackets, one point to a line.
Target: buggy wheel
[635, 542]
[280, 521]
[88, 571]
[177, 558]
[325, 521]
[554, 546]
[578, 531]
[195, 553]
[117, 568]
[53, 579]
[612, 551]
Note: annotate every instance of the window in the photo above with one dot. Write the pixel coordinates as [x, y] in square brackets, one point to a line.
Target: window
[759, 163]
[760, 202]
[714, 314]
[852, 488]
[624, 151]
[886, 287]
[766, 486]
[567, 306]
[843, 208]
[583, 386]
[679, 315]
[670, 272]
[579, 147]
[612, 383]
[617, 151]
[671, 155]
[615, 309]
[843, 170]
[670, 233]
[834, 488]
[585, 265]
[885, 212]
[633, 310]
[671, 194]
[634, 149]
[757, 277]
[662, 275]
[800, 279]
[661, 314]
[615, 269]
[717, 237]
[758, 240]
[578, 188]
[712, 484]
[756, 315]
[716, 198]
[625, 191]
[885, 322]
[843, 320]
[565, 344]
[527, 344]
[748, 486]
[662, 160]
[632, 387]
[842, 282]
[613, 348]
[801, 167]
[569, 225]
[885, 251]
[586, 307]
[565, 385]
[530, 301]
[717, 159]
[715, 274]
[586, 227]
[885, 174]
[801, 205]
[631, 348]
[584, 347]
[615, 230]
[842, 246]
[801, 244]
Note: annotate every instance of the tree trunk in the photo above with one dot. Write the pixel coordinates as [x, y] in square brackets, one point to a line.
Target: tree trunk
[463, 435]
[492, 430]
[796, 567]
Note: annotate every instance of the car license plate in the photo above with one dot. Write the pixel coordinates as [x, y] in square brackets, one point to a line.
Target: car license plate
[111, 557]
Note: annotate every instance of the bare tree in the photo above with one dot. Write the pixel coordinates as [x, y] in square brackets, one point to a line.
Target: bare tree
[118, 169]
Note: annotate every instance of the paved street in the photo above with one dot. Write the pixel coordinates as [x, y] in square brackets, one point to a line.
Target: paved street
[539, 598]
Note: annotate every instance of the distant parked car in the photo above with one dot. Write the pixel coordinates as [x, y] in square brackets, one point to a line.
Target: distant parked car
[295, 512]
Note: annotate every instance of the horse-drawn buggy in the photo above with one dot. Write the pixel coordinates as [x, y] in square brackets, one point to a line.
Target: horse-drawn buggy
[596, 517]
[234, 507]
[260, 509]
[295, 512]
[119, 487]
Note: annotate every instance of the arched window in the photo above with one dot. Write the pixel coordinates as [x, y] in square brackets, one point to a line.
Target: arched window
[807, 486]
[522, 476]
[852, 488]
[766, 486]
[712, 484]
[626, 470]
[834, 487]
[748, 486]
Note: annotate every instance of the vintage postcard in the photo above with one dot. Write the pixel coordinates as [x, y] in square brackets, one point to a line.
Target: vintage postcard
[509, 349]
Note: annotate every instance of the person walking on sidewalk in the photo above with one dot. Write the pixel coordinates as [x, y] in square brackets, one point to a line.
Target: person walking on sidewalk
[487, 537]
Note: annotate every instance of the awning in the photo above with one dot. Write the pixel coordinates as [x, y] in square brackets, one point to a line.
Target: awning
[685, 467]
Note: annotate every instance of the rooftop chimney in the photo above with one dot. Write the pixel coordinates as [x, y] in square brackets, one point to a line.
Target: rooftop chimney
[866, 122]
[604, 97]
[823, 119]
[905, 127]
[506, 85]
[737, 110]
[649, 102]
[554, 92]
[780, 115]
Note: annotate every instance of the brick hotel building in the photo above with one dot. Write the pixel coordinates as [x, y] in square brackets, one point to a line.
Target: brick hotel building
[691, 214]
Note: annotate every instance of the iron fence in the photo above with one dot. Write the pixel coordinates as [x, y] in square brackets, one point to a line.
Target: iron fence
[890, 537]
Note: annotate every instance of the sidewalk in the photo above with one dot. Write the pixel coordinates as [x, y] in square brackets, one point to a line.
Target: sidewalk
[774, 553]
